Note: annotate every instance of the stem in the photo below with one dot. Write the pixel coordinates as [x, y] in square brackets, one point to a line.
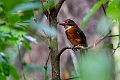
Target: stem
[45, 66]
[103, 9]
[58, 6]
[55, 60]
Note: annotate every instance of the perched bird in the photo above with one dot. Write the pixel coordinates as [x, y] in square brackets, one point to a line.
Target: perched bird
[74, 34]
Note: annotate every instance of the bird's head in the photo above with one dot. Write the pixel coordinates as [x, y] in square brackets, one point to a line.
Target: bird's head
[68, 24]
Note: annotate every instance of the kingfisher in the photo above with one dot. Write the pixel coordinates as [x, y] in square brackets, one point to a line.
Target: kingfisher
[74, 34]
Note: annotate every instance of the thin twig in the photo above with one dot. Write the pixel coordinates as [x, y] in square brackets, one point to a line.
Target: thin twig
[45, 66]
[114, 51]
[20, 58]
[58, 5]
[113, 35]
[33, 10]
[103, 37]
[70, 78]
[103, 9]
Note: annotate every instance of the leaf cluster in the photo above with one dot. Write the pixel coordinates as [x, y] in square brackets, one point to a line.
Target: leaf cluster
[16, 17]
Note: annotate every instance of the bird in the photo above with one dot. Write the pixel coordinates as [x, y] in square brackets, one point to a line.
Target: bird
[74, 34]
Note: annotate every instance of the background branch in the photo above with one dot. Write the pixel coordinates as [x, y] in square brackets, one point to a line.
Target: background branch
[45, 66]
[103, 9]
[58, 5]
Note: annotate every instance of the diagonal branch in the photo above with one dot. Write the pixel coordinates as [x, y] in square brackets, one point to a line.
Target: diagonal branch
[58, 5]
[81, 47]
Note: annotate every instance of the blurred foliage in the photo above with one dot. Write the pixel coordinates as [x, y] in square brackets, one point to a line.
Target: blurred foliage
[12, 30]
[104, 26]
[17, 15]
[35, 68]
[15, 18]
[92, 11]
[49, 31]
[6, 69]
[113, 9]
[96, 65]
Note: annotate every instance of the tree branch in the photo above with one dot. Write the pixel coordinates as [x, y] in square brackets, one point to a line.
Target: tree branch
[81, 47]
[113, 35]
[67, 47]
[58, 5]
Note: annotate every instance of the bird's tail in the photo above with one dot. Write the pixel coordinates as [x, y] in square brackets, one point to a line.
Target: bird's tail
[83, 51]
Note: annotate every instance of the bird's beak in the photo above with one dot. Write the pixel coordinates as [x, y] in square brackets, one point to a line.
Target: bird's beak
[62, 23]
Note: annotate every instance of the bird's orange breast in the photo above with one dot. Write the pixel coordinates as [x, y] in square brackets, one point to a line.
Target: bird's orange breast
[74, 37]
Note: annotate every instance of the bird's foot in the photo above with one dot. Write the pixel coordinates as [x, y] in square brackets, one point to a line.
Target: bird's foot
[74, 49]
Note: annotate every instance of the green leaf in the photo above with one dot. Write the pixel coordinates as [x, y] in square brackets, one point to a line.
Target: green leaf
[5, 64]
[2, 22]
[5, 29]
[4, 35]
[48, 30]
[1, 10]
[21, 24]
[113, 10]
[2, 77]
[6, 68]
[47, 77]
[32, 39]
[110, 46]
[10, 4]
[13, 18]
[27, 15]
[25, 10]
[3, 57]
[92, 11]
[27, 6]
[96, 65]
[14, 73]
[49, 5]
[26, 45]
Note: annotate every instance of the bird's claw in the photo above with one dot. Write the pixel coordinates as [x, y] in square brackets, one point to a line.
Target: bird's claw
[74, 49]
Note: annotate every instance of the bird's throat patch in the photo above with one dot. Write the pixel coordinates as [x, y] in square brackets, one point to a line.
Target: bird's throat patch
[67, 27]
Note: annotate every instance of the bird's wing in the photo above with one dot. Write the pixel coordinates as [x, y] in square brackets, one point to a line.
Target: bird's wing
[80, 32]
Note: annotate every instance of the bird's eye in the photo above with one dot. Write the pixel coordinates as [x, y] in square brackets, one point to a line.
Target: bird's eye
[68, 21]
